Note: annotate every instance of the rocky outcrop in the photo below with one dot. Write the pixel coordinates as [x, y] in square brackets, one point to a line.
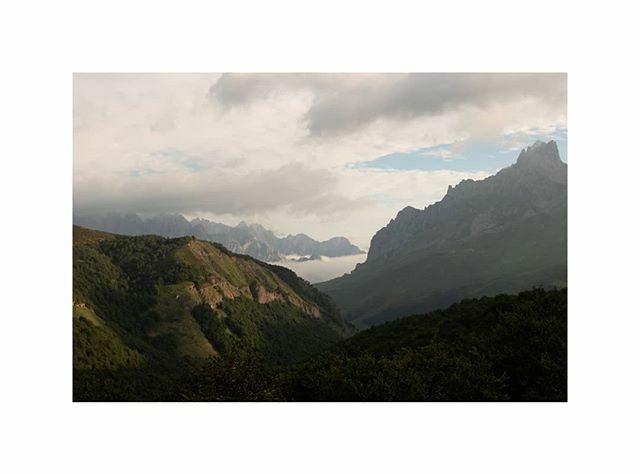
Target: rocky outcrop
[258, 283]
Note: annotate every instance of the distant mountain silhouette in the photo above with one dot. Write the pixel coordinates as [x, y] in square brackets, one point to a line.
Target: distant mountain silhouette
[248, 239]
[505, 233]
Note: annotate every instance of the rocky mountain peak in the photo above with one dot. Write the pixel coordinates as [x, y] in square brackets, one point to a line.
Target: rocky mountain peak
[536, 182]
[540, 154]
[540, 161]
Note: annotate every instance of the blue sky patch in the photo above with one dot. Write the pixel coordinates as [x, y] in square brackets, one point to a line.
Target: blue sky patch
[181, 158]
[139, 173]
[470, 155]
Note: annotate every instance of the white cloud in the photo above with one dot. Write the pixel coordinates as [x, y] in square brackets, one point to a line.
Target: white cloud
[346, 102]
[274, 148]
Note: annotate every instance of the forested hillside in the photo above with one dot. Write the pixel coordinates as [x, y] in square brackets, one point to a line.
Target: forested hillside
[147, 308]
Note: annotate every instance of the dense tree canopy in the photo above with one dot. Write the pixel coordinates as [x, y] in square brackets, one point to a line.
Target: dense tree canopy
[504, 348]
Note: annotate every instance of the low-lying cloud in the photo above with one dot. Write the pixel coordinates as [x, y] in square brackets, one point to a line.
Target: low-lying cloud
[294, 188]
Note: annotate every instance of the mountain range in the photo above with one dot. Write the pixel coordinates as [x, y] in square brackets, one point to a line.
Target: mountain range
[248, 239]
[506, 233]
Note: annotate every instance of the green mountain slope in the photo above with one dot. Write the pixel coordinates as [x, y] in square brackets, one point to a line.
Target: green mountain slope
[504, 234]
[145, 306]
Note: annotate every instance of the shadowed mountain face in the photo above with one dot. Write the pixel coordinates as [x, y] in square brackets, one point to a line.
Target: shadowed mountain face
[248, 239]
[506, 233]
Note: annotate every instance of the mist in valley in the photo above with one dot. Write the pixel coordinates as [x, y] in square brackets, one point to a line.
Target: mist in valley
[315, 271]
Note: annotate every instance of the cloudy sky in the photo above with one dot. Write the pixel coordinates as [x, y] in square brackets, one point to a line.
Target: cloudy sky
[323, 154]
